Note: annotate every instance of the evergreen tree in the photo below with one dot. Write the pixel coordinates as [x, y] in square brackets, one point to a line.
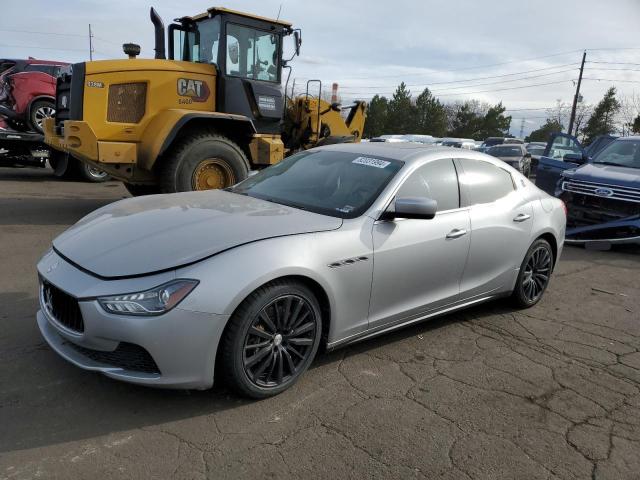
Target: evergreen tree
[602, 121]
[374, 126]
[551, 125]
[431, 117]
[401, 112]
[635, 126]
[466, 123]
[494, 123]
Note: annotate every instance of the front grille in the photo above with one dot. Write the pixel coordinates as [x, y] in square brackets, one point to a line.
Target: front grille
[127, 356]
[62, 307]
[602, 190]
[584, 210]
[127, 102]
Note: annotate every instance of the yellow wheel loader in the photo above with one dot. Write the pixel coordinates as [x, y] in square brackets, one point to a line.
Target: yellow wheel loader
[204, 116]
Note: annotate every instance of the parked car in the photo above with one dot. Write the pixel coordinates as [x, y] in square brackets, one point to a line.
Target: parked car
[514, 155]
[511, 140]
[27, 92]
[536, 150]
[491, 141]
[601, 190]
[330, 246]
[465, 143]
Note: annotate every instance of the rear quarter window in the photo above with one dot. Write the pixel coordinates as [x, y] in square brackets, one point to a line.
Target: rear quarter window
[483, 182]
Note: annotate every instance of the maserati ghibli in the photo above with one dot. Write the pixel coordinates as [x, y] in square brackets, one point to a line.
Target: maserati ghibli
[330, 246]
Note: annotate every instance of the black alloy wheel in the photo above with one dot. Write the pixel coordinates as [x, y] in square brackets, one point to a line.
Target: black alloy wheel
[271, 339]
[534, 275]
[279, 341]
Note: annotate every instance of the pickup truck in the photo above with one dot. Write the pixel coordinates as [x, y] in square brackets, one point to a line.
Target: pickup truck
[600, 186]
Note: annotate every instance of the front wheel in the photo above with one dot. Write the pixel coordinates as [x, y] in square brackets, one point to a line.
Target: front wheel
[90, 174]
[271, 339]
[203, 161]
[534, 274]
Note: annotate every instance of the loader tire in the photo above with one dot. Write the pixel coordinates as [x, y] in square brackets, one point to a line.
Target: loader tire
[203, 161]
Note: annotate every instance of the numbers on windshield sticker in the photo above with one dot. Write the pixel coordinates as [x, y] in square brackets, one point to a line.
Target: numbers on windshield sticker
[371, 162]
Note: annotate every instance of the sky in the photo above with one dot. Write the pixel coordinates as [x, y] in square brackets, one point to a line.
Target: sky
[523, 53]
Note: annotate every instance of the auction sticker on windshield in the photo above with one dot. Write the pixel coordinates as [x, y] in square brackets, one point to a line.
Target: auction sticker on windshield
[371, 162]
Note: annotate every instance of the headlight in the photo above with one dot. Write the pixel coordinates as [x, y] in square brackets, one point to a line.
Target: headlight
[156, 301]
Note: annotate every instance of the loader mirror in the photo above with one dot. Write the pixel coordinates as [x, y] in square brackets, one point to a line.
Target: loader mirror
[234, 54]
[298, 40]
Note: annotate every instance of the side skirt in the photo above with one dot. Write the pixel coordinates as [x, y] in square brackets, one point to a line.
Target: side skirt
[389, 328]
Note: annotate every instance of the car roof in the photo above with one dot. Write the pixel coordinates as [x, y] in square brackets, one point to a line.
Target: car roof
[407, 152]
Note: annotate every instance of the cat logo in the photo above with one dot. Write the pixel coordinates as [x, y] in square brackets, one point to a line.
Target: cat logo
[196, 90]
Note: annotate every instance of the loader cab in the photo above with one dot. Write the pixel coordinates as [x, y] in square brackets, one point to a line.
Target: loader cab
[246, 51]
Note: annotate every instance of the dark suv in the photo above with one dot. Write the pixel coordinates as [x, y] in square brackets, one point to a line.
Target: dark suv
[599, 185]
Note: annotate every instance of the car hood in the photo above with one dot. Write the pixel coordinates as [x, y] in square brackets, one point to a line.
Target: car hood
[607, 174]
[149, 234]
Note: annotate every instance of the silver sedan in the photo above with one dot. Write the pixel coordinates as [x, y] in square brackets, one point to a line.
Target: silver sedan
[330, 246]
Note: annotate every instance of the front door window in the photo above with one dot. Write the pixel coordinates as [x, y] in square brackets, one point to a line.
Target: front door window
[252, 53]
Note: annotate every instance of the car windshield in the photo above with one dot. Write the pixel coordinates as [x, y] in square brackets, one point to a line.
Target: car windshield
[503, 151]
[623, 153]
[536, 150]
[339, 184]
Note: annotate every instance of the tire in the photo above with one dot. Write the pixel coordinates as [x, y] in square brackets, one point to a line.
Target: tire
[535, 273]
[90, 174]
[140, 190]
[203, 161]
[59, 162]
[40, 109]
[279, 361]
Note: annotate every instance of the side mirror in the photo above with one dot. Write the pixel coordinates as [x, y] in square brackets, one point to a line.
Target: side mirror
[413, 207]
[577, 158]
[298, 40]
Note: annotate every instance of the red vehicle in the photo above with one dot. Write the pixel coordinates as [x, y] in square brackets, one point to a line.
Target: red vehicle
[27, 91]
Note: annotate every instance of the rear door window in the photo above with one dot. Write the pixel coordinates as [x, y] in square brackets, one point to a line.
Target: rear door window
[436, 180]
[483, 182]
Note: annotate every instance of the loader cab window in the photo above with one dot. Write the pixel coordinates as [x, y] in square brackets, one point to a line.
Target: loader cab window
[252, 53]
[199, 43]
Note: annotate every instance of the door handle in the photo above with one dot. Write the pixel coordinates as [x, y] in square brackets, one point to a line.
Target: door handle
[522, 217]
[456, 233]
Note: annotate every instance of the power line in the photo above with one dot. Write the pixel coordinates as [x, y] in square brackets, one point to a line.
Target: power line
[615, 63]
[42, 33]
[353, 94]
[505, 81]
[468, 68]
[611, 80]
[44, 48]
[476, 78]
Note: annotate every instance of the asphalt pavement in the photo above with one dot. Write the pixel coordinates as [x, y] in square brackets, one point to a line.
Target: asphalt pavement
[488, 393]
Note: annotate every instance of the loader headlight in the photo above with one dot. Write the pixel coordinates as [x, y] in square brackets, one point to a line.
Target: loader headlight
[156, 301]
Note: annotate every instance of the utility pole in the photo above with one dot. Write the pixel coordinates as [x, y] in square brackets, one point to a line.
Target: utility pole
[577, 95]
[90, 44]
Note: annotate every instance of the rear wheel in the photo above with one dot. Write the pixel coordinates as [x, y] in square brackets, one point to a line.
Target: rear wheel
[88, 173]
[534, 274]
[203, 161]
[271, 339]
[40, 109]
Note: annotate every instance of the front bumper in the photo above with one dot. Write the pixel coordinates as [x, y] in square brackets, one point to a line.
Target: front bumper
[617, 232]
[182, 343]
[79, 140]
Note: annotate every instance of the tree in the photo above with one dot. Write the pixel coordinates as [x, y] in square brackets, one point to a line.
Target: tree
[603, 119]
[559, 114]
[401, 112]
[494, 123]
[552, 125]
[374, 126]
[466, 122]
[635, 125]
[431, 118]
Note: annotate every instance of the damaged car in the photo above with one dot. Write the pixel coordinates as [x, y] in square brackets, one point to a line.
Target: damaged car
[599, 185]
